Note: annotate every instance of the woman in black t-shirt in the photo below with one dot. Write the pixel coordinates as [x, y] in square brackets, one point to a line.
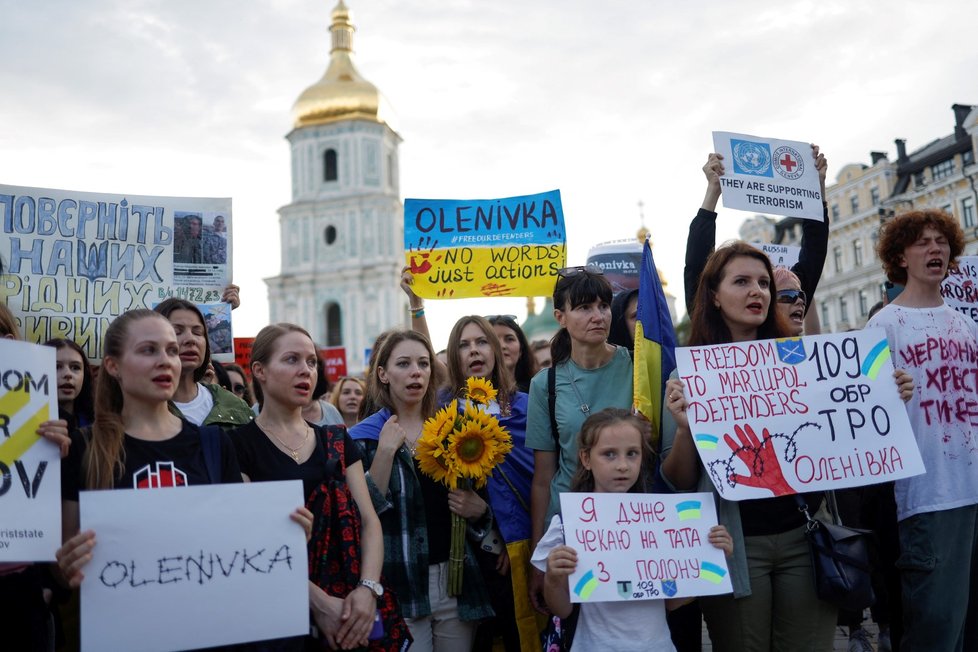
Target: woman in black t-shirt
[280, 445]
[135, 441]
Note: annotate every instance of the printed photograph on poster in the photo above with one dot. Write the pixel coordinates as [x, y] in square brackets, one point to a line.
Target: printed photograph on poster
[813, 413]
[768, 175]
[30, 467]
[642, 546]
[76, 260]
[217, 318]
[960, 288]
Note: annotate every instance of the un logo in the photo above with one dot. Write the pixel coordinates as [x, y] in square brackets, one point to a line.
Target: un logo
[751, 158]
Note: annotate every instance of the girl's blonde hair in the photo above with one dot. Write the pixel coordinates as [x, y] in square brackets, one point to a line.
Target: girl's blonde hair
[587, 439]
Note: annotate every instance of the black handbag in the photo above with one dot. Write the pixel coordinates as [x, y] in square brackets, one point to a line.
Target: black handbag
[840, 562]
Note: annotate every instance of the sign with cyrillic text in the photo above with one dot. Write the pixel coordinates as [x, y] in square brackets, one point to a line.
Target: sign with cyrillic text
[191, 567]
[777, 417]
[75, 260]
[767, 175]
[642, 546]
[485, 247]
[960, 288]
[30, 467]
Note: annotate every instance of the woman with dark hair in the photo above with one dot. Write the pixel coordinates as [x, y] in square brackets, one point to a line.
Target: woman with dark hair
[239, 382]
[517, 357]
[199, 403]
[414, 510]
[76, 384]
[774, 600]
[588, 375]
[624, 314]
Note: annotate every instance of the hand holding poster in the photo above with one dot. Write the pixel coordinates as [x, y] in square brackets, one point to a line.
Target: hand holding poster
[30, 467]
[642, 546]
[485, 247]
[768, 175]
[193, 567]
[75, 260]
[960, 288]
[777, 417]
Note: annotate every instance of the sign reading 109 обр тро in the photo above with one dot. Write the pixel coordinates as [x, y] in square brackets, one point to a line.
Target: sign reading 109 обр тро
[485, 247]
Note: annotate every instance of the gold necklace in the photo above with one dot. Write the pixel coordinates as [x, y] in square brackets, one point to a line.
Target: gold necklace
[293, 452]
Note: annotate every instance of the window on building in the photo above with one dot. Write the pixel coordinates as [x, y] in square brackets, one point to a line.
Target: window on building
[825, 315]
[918, 179]
[968, 212]
[968, 157]
[843, 309]
[874, 195]
[943, 169]
[857, 253]
[390, 170]
[863, 303]
[334, 325]
[854, 203]
[837, 258]
[835, 211]
[947, 209]
[330, 234]
[329, 165]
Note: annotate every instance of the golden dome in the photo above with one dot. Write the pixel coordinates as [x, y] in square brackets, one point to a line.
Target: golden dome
[341, 94]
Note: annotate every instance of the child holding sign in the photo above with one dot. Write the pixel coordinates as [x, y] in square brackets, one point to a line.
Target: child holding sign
[611, 447]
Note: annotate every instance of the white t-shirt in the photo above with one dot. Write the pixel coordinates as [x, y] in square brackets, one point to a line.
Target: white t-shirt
[939, 348]
[197, 409]
[634, 626]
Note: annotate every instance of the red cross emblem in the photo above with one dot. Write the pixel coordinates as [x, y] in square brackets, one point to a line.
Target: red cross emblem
[788, 163]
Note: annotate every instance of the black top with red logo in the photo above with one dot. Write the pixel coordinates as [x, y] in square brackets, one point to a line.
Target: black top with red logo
[174, 462]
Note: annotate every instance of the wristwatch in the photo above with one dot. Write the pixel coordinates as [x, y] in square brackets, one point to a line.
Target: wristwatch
[375, 587]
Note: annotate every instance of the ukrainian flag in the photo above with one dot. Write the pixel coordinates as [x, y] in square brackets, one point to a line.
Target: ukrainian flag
[655, 344]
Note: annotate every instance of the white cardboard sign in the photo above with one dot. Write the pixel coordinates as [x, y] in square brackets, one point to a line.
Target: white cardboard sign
[960, 288]
[780, 255]
[642, 546]
[30, 468]
[191, 567]
[777, 417]
[768, 175]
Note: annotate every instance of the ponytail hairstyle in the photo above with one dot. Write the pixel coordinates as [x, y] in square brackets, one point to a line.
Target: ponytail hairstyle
[105, 457]
[585, 285]
[264, 346]
[707, 325]
[380, 393]
[83, 409]
[499, 377]
[171, 305]
[583, 479]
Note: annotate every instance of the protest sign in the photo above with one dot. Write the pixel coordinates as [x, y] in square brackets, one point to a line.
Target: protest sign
[192, 567]
[780, 255]
[960, 288]
[776, 417]
[620, 261]
[768, 175]
[485, 247]
[334, 359]
[30, 468]
[242, 354]
[642, 546]
[75, 260]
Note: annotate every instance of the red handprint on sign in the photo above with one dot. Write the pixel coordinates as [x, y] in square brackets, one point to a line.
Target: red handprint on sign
[759, 456]
[422, 263]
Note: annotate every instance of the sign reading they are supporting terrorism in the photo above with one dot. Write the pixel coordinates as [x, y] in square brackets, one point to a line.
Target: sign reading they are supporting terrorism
[75, 260]
[642, 546]
[30, 467]
[485, 247]
[767, 175]
[777, 417]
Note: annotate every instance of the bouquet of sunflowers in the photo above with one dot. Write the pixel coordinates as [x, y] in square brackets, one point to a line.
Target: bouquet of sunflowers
[459, 448]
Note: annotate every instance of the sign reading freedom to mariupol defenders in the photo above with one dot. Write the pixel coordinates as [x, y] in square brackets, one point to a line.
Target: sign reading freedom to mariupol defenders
[75, 260]
[777, 417]
[780, 255]
[767, 175]
[30, 468]
[485, 247]
[960, 288]
[191, 567]
[642, 546]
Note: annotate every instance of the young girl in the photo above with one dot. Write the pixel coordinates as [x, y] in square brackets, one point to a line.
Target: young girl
[611, 447]
[75, 384]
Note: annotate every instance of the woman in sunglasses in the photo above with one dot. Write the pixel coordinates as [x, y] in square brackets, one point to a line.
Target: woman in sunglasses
[792, 302]
[814, 242]
[588, 375]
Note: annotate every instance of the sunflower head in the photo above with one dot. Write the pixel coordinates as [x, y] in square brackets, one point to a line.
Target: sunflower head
[435, 460]
[474, 449]
[479, 390]
[444, 421]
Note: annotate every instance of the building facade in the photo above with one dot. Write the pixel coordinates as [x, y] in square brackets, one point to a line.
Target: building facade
[342, 233]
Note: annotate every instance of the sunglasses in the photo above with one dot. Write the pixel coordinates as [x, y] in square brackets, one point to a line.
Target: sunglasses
[238, 388]
[493, 318]
[571, 272]
[790, 296]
